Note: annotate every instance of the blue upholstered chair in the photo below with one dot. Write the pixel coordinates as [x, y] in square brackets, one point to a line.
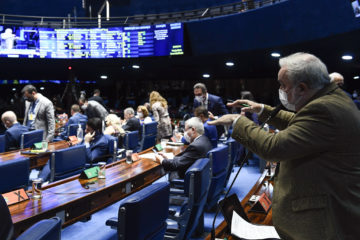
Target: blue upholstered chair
[142, 215]
[48, 229]
[67, 162]
[2, 143]
[72, 130]
[14, 174]
[113, 147]
[219, 158]
[131, 141]
[148, 136]
[189, 203]
[29, 138]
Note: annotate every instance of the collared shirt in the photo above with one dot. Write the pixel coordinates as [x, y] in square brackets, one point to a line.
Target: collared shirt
[206, 101]
[31, 114]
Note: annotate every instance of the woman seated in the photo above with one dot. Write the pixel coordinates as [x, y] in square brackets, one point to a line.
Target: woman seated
[113, 126]
[143, 115]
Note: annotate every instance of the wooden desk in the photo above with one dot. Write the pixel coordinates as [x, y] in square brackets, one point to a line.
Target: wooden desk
[35, 160]
[261, 186]
[73, 199]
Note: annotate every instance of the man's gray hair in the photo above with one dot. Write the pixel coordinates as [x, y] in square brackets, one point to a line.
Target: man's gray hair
[201, 86]
[306, 68]
[196, 123]
[129, 111]
[9, 116]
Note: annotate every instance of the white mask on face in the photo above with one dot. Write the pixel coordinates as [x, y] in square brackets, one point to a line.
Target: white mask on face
[199, 98]
[140, 114]
[284, 101]
[187, 137]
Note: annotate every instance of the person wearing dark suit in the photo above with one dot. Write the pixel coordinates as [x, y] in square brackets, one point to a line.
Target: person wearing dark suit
[317, 187]
[212, 103]
[198, 148]
[14, 130]
[92, 109]
[131, 122]
[76, 118]
[210, 130]
[96, 97]
[95, 141]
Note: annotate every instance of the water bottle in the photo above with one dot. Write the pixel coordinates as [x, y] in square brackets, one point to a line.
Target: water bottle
[176, 132]
[80, 134]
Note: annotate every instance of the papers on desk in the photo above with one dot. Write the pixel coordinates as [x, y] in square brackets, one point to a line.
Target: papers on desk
[151, 155]
[245, 230]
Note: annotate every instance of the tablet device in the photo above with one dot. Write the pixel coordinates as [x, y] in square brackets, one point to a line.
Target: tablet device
[230, 204]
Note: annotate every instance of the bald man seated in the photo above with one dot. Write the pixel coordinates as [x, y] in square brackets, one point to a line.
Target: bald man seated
[14, 130]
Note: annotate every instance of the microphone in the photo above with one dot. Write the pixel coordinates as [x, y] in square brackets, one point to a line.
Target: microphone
[244, 160]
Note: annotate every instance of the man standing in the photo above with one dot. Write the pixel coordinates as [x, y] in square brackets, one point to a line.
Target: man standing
[96, 97]
[39, 112]
[92, 109]
[212, 103]
[14, 130]
[317, 183]
[198, 148]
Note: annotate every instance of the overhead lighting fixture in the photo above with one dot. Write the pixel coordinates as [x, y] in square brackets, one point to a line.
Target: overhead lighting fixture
[356, 77]
[14, 89]
[103, 77]
[275, 54]
[206, 75]
[42, 88]
[347, 57]
[136, 66]
[229, 64]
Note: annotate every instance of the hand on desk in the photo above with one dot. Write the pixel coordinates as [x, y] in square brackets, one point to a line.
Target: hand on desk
[160, 157]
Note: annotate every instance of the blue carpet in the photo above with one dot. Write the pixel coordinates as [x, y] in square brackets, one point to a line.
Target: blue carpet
[95, 229]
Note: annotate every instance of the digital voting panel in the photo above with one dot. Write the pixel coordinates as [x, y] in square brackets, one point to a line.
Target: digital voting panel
[115, 42]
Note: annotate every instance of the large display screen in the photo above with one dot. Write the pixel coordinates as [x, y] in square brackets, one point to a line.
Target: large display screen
[116, 42]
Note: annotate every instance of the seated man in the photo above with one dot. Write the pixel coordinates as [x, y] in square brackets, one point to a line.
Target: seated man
[95, 141]
[198, 148]
[210, 130]
[131, 122]
[14, 130]
[76, 118]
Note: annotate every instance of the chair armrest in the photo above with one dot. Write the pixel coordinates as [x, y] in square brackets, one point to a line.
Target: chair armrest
[178, 183]
[176, 191]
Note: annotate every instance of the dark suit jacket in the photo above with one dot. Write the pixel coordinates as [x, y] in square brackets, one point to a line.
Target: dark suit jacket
[215, 105]
[197, 149]
[75, 119]
[133, 124]
[317, 188]
[98, 147]
[98, 99]
[13, 136]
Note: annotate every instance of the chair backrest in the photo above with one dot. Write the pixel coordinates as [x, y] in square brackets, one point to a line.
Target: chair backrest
[148, 137]
[72, 130]
[14, 174]
[45, 229]
[6, 226]
[2, 143]
[113, 146]
[219, 158]
[234, 154]
[196, 187]
[131, 140]
[67, 162]
[29, 138]
[142, 215]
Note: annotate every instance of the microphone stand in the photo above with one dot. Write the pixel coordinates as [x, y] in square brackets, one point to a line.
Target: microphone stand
[244, 160]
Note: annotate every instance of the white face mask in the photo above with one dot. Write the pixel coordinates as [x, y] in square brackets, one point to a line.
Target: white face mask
[284, 100]
[187, 137]
[199, 98]
[140, 114]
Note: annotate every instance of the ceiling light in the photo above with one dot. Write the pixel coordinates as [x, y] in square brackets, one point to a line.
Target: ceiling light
[229, 64]
[42, 88]
[356, 77]
[103, 77]
[275, 54]
[347, 57]
[14, 89]
[136, 66]
[206, 75]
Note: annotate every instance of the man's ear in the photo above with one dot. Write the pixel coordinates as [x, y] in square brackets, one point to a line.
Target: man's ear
[303, 87]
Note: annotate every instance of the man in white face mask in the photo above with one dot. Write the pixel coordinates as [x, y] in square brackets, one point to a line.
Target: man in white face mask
[198, 148]
[316, 190]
